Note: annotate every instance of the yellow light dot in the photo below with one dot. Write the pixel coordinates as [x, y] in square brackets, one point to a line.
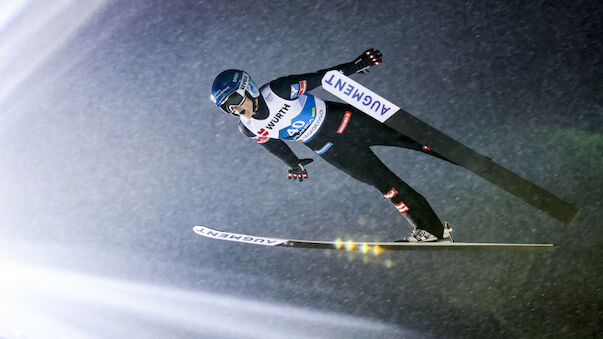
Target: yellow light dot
[349, 245]
[377, 250]
[365, 248]
[338, 243]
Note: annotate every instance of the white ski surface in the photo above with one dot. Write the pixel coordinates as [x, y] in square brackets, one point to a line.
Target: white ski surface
[362, 246]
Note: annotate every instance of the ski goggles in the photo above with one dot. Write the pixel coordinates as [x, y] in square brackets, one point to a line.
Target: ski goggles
[233, 100]
[237, 97]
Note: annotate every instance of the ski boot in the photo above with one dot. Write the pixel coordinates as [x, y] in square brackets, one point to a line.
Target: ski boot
[422, 235]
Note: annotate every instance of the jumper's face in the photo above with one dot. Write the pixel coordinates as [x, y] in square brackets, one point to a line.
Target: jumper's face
[245, 109]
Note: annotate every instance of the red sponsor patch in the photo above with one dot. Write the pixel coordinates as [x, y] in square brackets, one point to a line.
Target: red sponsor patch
[344, 122]
[263, 132]
[426, 148]
[302, 87]
[392, 193]
[402, 208]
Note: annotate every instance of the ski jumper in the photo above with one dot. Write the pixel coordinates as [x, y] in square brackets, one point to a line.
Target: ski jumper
[341, 135]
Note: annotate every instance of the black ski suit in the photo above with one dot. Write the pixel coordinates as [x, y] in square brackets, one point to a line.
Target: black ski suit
[344, 141]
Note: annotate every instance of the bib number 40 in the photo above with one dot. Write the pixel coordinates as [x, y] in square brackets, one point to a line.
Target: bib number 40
[295, 127]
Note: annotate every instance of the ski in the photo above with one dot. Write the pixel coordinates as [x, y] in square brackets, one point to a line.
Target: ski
[364, 247]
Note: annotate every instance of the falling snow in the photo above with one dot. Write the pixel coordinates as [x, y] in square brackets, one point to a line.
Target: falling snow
[111, 151]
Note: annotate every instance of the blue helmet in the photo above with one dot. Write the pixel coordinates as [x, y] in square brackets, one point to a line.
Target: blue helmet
[229, 82]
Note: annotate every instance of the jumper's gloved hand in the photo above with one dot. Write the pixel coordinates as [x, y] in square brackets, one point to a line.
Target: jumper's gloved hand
[298, 172]
[369, 58]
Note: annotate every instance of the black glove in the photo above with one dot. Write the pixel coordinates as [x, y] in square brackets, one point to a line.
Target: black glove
[369, 58]
[298, 171]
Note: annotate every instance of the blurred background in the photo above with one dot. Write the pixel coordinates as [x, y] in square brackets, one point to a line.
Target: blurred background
[111, 151]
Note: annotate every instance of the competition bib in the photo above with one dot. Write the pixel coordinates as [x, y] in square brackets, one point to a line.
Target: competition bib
[296, 120]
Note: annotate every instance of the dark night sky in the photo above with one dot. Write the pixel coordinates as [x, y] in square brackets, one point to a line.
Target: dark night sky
[111, 151]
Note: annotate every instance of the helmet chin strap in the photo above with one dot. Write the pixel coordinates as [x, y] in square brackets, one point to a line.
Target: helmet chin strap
[255, 106]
